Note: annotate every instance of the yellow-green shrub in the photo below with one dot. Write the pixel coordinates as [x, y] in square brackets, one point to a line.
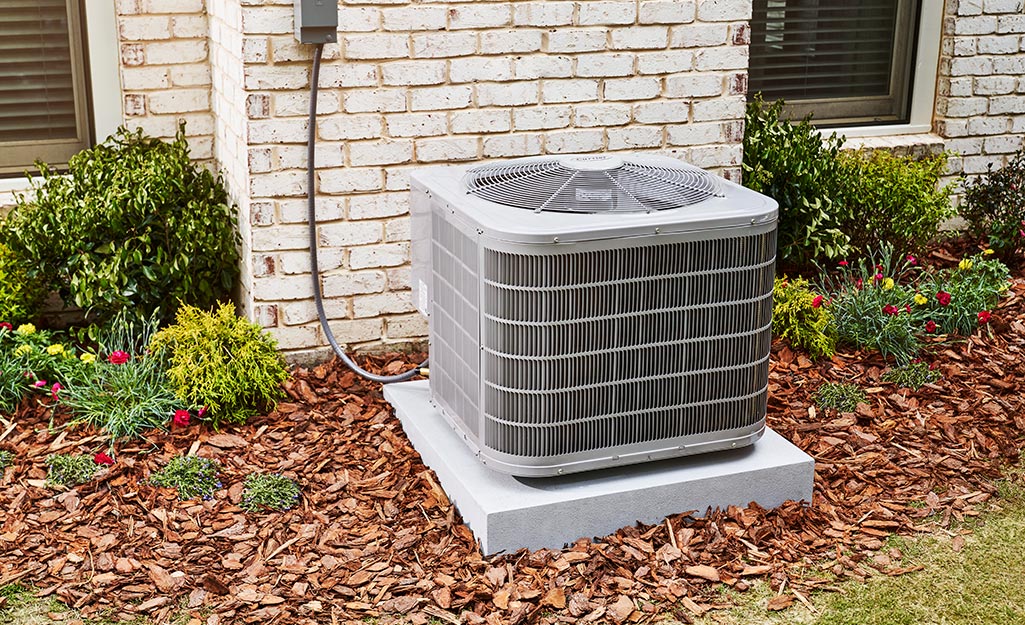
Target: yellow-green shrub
[799, 317]
[21, 298]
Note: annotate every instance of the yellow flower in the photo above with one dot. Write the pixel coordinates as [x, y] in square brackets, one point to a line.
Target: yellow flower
[987, 251]
[965, 264]
[55, 349]
[26, 328]
[88, 358]
[887, 284]
[21, 350]
[920, 299]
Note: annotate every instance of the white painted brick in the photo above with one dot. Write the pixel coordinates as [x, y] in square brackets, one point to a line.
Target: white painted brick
[378, 205]
[692, 85]
[348, 75]
[473, 69]
[375, 100]
[716, 155]
[634, 137]
[293, 263]
[446, 149]
[545, 66]
[977, 164]
[977, 25]
[724, 10]
[298, 103]
[414, 17]
[639, 38]
[278, 237]
[380, 152]
[481, 121]
[1006, 44]
[349, 233]
[190, 75]
[589, 115]
[359, 19]
[353, 283]
[543, 13]
[964, 107]
[348, 127]
[507, 94]
[406, 326]
[512, 145]
[144, 27]
[542, 117]
[398, 229]
[278, 131]
[135, 78]
[507, 41]
[667, 62]
[719, 108]
[574, 90]
[295, 211]
[964, 46]
[420, 72]
[576, 40]
[267, 20]
[266, 77]
[699, 35]
[398, 278]
[179, 101]
[999, 105]
[1011, 24]
[607, 13]
[1004, 6]
[1013, 65]
[994, 85]
[479, 15]
[254, 49]
[969, 7]
[441, 45]
[349, 180]
[397, 178]
[349, 331]
[172, 6]
[278, 184]
[297, 337]
[973, 66]
[661, 112]
[175, 52]
[988, 126]
[376, 46]
[667, 12]
[968, 145]
[382, 303]
[416, 124]
[261, 160]
[189, 26]
[438, 98]
[726, 57]
[1003, 145]
[694, 134]
[383, 255]
[574, 141]
[605, 65]
[285, 48]
[280, 288]
[632, 88]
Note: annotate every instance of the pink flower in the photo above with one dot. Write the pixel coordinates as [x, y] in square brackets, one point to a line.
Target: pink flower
[907, 307]
[53, 390]
[815, 303]
[181, 418]
[39, 383]
[118, 357]
[912, 260]
[890, 309]
[930, 326]
[984, 316]
[943, 298]
[202, 411]
[879, 276]
[6, 326]
[844, 263]
[104, 459]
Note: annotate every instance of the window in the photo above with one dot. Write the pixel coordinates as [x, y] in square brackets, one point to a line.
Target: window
[849, 63]
[44, 111]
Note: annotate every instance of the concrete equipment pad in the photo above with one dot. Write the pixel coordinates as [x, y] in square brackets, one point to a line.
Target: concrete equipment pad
[507, 513]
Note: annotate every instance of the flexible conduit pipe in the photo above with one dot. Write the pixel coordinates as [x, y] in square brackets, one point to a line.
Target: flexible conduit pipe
[311, 206]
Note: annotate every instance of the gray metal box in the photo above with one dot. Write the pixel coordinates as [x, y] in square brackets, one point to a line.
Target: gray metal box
[316, 21]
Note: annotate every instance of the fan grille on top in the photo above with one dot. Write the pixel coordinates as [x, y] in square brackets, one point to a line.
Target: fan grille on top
[595, 184]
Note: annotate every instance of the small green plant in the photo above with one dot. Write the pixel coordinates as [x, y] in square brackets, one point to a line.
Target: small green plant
[994, 207]
[799, 316]
[840, 396]
[192, 476]
[6, 459]
[913, 375]
[70, 469]
[133, 224]
[268, 491]
[223, 362]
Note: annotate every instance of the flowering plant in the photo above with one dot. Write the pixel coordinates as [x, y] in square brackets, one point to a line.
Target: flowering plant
[994, 207]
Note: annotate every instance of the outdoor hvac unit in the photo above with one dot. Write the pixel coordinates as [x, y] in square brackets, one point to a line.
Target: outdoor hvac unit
[594, 311]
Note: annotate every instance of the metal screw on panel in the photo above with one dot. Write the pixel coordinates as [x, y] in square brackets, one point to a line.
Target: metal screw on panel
[555, 240]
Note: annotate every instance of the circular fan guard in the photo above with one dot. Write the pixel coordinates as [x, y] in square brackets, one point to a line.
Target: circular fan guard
[591, 184]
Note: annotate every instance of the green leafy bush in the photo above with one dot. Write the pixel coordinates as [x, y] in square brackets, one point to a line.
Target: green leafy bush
[798, 315]
[192, 476]
[892, 199]
[69, 469]
[955, 297]
[21, 297]
[223, 362]
[6, 459]
[913, 375]
[796, 166]
[839, 396]
[134, 224]
[994, 207]
[267, 491]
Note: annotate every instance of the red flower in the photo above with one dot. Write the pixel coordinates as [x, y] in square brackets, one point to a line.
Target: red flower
[890, 309]
[118, 358]
[181, 418]
[815, 303]
[843, 263]
[202, 411]
[6, 326]
[943, 297]
[858, 283]
[53, 390]
[907, 307]
[39, 383]
[930, 326]
[984, 316]
[879, 276]
[104, 459]
[912, 260]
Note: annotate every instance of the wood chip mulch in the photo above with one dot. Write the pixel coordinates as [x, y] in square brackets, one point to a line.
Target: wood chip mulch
[375, 536]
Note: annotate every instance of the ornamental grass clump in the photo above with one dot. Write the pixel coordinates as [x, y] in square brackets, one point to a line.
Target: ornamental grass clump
[221, 362]
[70, 469]
[269, 492]
[913, 375]
[839, 396]
[799, 316]
[192, 476]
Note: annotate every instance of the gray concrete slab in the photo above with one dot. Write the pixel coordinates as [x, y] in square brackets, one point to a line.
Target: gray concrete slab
[507, 513]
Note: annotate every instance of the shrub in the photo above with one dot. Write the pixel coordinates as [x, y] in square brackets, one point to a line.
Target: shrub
[955, 297]
[6, 459]
[798, 315]
[223, 362]
[839, 396]
[70, 470]
[891, 199]
[266, 491]
[134, 224]
[994, 207]
[794, 165]
[21, 297]
[913, 375]
[192, 476]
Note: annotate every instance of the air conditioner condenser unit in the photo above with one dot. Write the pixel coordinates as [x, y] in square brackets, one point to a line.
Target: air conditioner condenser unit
[593, 311]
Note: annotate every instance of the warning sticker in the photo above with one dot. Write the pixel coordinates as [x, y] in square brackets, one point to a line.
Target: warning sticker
[594, 195]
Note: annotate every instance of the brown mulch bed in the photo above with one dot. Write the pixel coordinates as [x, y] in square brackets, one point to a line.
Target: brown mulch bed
[375, 536]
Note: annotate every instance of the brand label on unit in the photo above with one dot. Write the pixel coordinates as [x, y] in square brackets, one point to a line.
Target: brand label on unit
[594, 195]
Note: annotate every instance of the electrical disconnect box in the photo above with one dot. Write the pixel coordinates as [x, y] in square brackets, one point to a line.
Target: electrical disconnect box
[316, 21]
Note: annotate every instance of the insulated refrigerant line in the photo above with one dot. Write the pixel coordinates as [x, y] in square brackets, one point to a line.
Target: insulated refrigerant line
[311, 205]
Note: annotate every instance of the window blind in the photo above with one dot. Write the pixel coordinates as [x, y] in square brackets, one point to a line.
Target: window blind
[42, 82]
